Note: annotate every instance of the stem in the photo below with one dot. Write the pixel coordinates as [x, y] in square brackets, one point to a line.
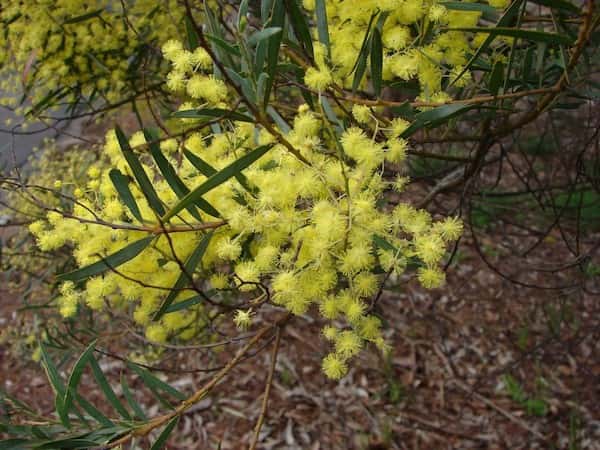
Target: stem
[268, 384]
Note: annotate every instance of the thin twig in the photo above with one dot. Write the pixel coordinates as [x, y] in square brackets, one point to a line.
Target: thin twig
[268, 384]
[159, 421]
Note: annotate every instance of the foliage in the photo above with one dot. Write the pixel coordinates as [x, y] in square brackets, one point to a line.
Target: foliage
[81, 52]
[274, 175]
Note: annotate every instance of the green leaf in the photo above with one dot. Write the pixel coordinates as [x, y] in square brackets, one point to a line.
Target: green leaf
[322, 26]
[92, 411]
[300, 26]
[277, 20]
[110, 262]
[531, 35]
[360, 66]
[121, 183]
[164, 435]
[434, 117]
[244, 83]
[139, 173]
[218, 179]
[192, 36]
[203, 167]
[330, 113]
[57, 385]
[135, 407]
[261, 86]
[241, 19]
[383, 244]
[184, 304]
[52, 95]
[75, 377]
[108, 391]
[190, 267]
[496, 78]
[376, 61]
[84, 17]
[506, 19]
[167, 171]
[488, 12]
[263, 35]
[214, 28]
[229, 48]
[265, 10]
[215, 113]
[68, 443]
[152, 382]
[207, 170]
[280, 121]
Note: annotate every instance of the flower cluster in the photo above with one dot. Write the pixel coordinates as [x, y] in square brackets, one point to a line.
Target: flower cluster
[59, 50]
[418, 40]
[315, 230]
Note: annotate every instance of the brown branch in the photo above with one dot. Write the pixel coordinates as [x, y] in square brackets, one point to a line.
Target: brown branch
[268, 384]
[159, 421]
[258, 114]
[583, 37]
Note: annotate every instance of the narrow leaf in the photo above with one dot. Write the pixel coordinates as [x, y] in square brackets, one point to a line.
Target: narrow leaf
[192, 36]
[496, 77]
[213, 113]
[139, 173]
[434, 117]
[263, 35]
[241, 19]
[218, 179]
[280, 121]
[184, 278]
[168, 172]
[113, 261]
[108, 391]
[93, 411]
[231, 49]
[300, 26]
[75, 376]
[121, 183]
[322, 26]
[187, 303]
[488, 12]
[57, 385]
[164, 435]
[135, 407]
[207, 170]
[277, 20]
[151, 381]
[531, 35]
[84, 17]
[506, 19]
[360, 66]
[376, 61]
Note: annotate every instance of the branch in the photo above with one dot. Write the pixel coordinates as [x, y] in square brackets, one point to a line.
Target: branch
[268, 384]
[159, 421]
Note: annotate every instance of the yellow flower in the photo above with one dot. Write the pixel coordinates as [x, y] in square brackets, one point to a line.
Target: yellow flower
[361, 113]
[431, 277]
[243, 319]
[318, 79]
[334, 366]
